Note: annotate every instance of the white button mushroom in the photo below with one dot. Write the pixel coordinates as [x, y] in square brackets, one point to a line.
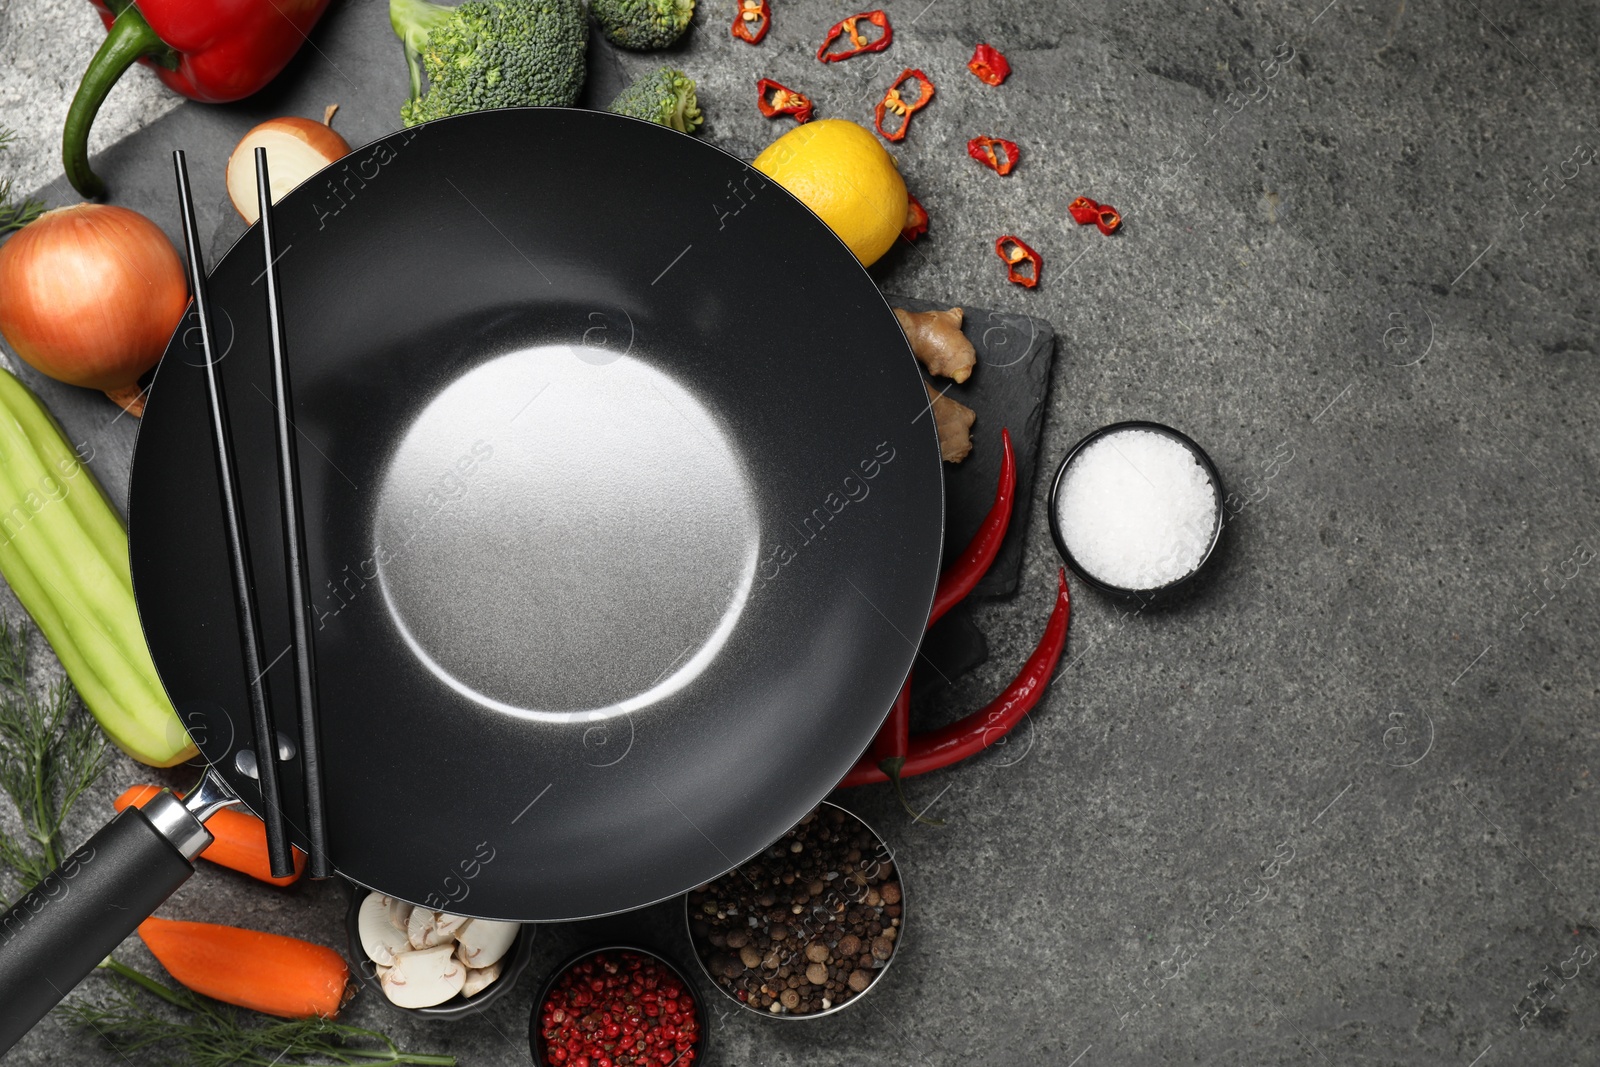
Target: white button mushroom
[425, 977]
[399, 913]
[379, 939]
[484, 941]
[428, 928]
[478, 978]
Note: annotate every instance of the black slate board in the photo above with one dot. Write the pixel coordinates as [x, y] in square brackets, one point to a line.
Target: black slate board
[1007, 390]
[354, 60]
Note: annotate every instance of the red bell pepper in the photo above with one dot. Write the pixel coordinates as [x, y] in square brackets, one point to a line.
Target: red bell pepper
[213, 51]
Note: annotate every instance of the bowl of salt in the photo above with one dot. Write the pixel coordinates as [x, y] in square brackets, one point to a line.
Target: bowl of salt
[1136, 509]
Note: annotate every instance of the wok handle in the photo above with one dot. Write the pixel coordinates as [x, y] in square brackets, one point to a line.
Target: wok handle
[70, 921]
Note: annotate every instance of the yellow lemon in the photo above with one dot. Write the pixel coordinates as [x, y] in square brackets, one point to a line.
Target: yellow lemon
[839, 170]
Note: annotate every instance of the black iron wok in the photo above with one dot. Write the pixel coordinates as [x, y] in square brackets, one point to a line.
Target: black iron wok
[624, 518]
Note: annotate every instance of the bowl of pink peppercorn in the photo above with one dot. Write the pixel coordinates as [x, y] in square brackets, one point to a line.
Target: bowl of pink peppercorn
[618, 1006]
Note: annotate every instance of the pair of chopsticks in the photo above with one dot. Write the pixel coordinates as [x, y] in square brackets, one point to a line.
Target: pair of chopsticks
[266, 747]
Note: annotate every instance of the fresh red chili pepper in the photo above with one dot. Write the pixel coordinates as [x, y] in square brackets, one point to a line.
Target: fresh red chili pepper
[889, 747]
[989, 65]
[1014, 255]
[859, 43]
[986, 726]
[774, 100]
[916, 219]
[1104, 216]
[983, 150]
[976, 732]
[895, 104]
[959, 579]
[895, 733]
[213, 51]
[962, 576]
[752, 20]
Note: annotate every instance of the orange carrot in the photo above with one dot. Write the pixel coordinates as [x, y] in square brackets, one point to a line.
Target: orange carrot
[241, 839]
[269, 973]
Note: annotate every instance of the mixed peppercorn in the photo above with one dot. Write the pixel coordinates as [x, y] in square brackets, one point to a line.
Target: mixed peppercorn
[619, 1009]
[806, 925]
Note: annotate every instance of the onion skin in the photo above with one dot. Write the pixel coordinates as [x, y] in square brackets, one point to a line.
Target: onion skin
[318, 138]
[90, 295]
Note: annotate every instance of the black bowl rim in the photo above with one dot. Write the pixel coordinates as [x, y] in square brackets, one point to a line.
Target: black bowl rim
[702, 1015]
[519, 955]
[1055, 519]
[843, 1005]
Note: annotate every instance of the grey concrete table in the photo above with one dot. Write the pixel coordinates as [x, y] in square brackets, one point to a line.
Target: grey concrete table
[1336, 804]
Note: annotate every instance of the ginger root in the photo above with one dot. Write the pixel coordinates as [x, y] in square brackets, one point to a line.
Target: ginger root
[953, 420]
[937, 341]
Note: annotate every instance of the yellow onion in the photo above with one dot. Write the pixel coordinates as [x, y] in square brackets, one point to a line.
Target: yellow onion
[90, 295]
[296, 149]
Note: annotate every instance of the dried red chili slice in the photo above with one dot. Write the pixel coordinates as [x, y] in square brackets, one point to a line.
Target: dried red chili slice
[1015, 252]
[860, 44]
[916, 219]
[983, 149]
[774, 99]
[751, 20]
[1104, 216]
[895, 104]
[989, 65]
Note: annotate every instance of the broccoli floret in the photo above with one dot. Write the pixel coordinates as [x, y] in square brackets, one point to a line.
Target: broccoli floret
[642, 25]
[666, 96]
[490, 53]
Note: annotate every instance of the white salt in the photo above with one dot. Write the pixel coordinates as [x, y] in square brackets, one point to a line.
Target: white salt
[1137, 509]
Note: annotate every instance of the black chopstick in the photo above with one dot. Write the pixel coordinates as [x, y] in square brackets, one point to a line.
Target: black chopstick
[244, 601]
[294, 540]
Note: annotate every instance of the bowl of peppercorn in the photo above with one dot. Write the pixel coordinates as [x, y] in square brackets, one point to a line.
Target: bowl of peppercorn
[621, 1006]
[806, 927]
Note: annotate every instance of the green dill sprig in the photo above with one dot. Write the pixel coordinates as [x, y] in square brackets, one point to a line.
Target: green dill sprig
[14, 216]
[207, 1034]
[51, 751]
